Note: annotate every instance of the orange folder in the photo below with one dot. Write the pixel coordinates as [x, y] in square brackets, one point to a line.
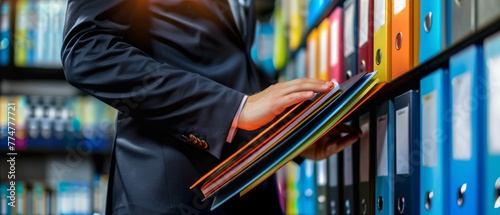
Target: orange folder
[312, 51]
[405, 36]
[324, 49]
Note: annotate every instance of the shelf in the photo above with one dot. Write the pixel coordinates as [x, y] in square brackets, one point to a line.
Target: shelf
[52, 147]
[37, 73]
[47, 152]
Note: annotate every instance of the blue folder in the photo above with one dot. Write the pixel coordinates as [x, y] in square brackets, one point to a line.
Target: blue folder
[261, 52]
[5, 32]
[466, 78]
[5, 199]
[491, 150]
[434, 143]
[307, 188]
[314, 10]
[384, 172]
[432, 23]
[407, 153]
[322, 187]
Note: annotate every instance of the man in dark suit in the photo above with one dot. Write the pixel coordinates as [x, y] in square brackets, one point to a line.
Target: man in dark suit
[180, 74]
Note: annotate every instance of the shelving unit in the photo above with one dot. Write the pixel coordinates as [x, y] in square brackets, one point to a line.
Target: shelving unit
[305, 198]
[33, 73]
[407, 80]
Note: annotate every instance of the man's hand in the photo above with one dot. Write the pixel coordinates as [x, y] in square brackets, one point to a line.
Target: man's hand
[335, 141]
[264, 106]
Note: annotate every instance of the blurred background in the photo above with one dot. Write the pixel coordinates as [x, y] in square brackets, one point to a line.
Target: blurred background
[420, 49]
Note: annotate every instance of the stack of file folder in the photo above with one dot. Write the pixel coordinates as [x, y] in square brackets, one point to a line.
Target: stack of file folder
[282, 141]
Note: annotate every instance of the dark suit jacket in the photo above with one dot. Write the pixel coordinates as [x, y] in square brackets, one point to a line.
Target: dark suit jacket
[177, 71]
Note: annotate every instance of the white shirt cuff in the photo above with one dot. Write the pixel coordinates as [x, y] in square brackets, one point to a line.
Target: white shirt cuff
[234, 125]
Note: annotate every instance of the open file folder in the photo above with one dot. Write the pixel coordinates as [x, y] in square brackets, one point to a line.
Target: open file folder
[247, 156]
[284, 144]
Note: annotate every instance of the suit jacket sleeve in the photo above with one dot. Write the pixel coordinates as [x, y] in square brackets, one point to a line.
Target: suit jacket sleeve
[98, 59]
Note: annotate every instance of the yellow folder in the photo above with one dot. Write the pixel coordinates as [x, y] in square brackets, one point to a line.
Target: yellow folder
[297, 24]
[381, 39]
[280, 45]
[312, 59]
[21, 41]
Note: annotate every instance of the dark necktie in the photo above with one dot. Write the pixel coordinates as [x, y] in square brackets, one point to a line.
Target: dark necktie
[239, 9]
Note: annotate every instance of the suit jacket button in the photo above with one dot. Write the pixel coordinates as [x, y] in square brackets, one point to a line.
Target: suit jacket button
[197, 141]
[192, 138]
[204, 144]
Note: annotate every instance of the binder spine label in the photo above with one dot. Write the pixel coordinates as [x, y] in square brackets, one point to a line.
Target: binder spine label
[348, 166]
[322, 172]
[493, 68]
[364, 174]
[323, 51]
[399, 5]
[332, 172]
[402, 141]
[378, 14]
[348, 32]
[363, 22]
[382, 159]
[429, 130]
[334, 41]
[311, 53]
[462, 139]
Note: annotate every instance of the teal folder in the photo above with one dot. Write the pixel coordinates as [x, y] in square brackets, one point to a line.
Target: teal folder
[434, 143]
[384, 174]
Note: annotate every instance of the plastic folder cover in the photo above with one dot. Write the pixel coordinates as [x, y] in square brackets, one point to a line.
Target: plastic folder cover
[270, 134]
[296, 142]
[323, 130]
[242, 160]
[292, 151]
[266, 135]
